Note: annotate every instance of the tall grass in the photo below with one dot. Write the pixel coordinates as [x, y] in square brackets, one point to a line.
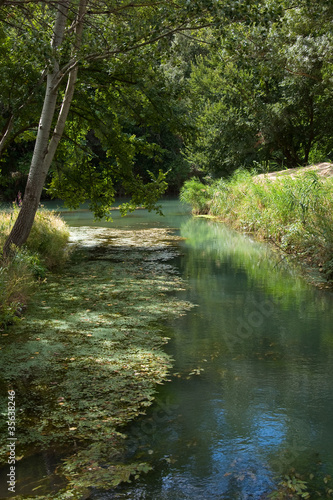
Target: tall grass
[294, 213]
[45, 249]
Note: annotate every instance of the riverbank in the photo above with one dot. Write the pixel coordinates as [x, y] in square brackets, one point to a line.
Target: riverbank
[87, 357]
[290, 209]
[46, 250]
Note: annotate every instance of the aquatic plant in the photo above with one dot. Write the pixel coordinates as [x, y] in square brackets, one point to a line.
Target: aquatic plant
[296, 486]
[89, 355]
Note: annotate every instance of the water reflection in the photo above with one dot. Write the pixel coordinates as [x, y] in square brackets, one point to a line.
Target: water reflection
[251, 394]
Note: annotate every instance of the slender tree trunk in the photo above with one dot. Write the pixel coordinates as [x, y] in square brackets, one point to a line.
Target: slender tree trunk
[5, 132]
[45, 146]
[311, 135]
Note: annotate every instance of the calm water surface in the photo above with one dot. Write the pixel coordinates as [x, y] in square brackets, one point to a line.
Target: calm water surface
[250, 397]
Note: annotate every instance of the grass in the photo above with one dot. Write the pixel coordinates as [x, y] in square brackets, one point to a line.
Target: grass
[46, 249]
[293, 213]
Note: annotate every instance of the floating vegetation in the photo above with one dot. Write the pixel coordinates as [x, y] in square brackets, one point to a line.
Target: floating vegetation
[86, 359]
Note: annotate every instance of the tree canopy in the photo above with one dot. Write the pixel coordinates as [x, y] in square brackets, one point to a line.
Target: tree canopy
[101, 97]
[71, 39]
[264, 96]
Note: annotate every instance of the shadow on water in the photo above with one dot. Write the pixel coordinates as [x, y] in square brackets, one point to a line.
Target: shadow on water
[37, 473]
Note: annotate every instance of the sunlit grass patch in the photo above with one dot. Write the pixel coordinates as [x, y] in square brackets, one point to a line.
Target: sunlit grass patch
[49, 238]
[46, 249]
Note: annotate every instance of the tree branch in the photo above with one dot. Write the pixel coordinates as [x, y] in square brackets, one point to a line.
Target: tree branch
[68, 97]
[301, 73]
[124, 7]
[179, 29]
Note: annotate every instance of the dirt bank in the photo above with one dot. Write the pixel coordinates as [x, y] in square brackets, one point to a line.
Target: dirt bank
[322, 169]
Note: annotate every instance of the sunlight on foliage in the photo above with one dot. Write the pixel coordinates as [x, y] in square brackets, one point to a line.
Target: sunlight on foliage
[45, 249]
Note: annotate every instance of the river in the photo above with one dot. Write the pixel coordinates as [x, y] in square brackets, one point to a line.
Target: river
[250, 396]
[251, 393]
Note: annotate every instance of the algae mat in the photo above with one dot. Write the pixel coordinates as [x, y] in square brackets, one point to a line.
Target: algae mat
[86, 359]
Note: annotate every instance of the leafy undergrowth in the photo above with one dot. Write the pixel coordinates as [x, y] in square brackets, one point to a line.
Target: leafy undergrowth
[87, 358]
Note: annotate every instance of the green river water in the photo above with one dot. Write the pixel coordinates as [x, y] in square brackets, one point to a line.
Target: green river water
[250, 396]
[260, 346]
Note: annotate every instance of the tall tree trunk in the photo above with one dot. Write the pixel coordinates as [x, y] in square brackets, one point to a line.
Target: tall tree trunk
[45, 147]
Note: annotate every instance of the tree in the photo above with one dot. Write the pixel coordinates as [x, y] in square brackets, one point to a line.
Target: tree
[119, 128]
[22, 72]
[46, 143]
[83, 32]
[265, 94]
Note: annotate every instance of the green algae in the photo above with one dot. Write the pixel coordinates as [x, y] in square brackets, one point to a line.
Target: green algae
[86, 359]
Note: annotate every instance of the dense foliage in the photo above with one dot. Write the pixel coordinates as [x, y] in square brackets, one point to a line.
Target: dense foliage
[252, 86]
[264, 96]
